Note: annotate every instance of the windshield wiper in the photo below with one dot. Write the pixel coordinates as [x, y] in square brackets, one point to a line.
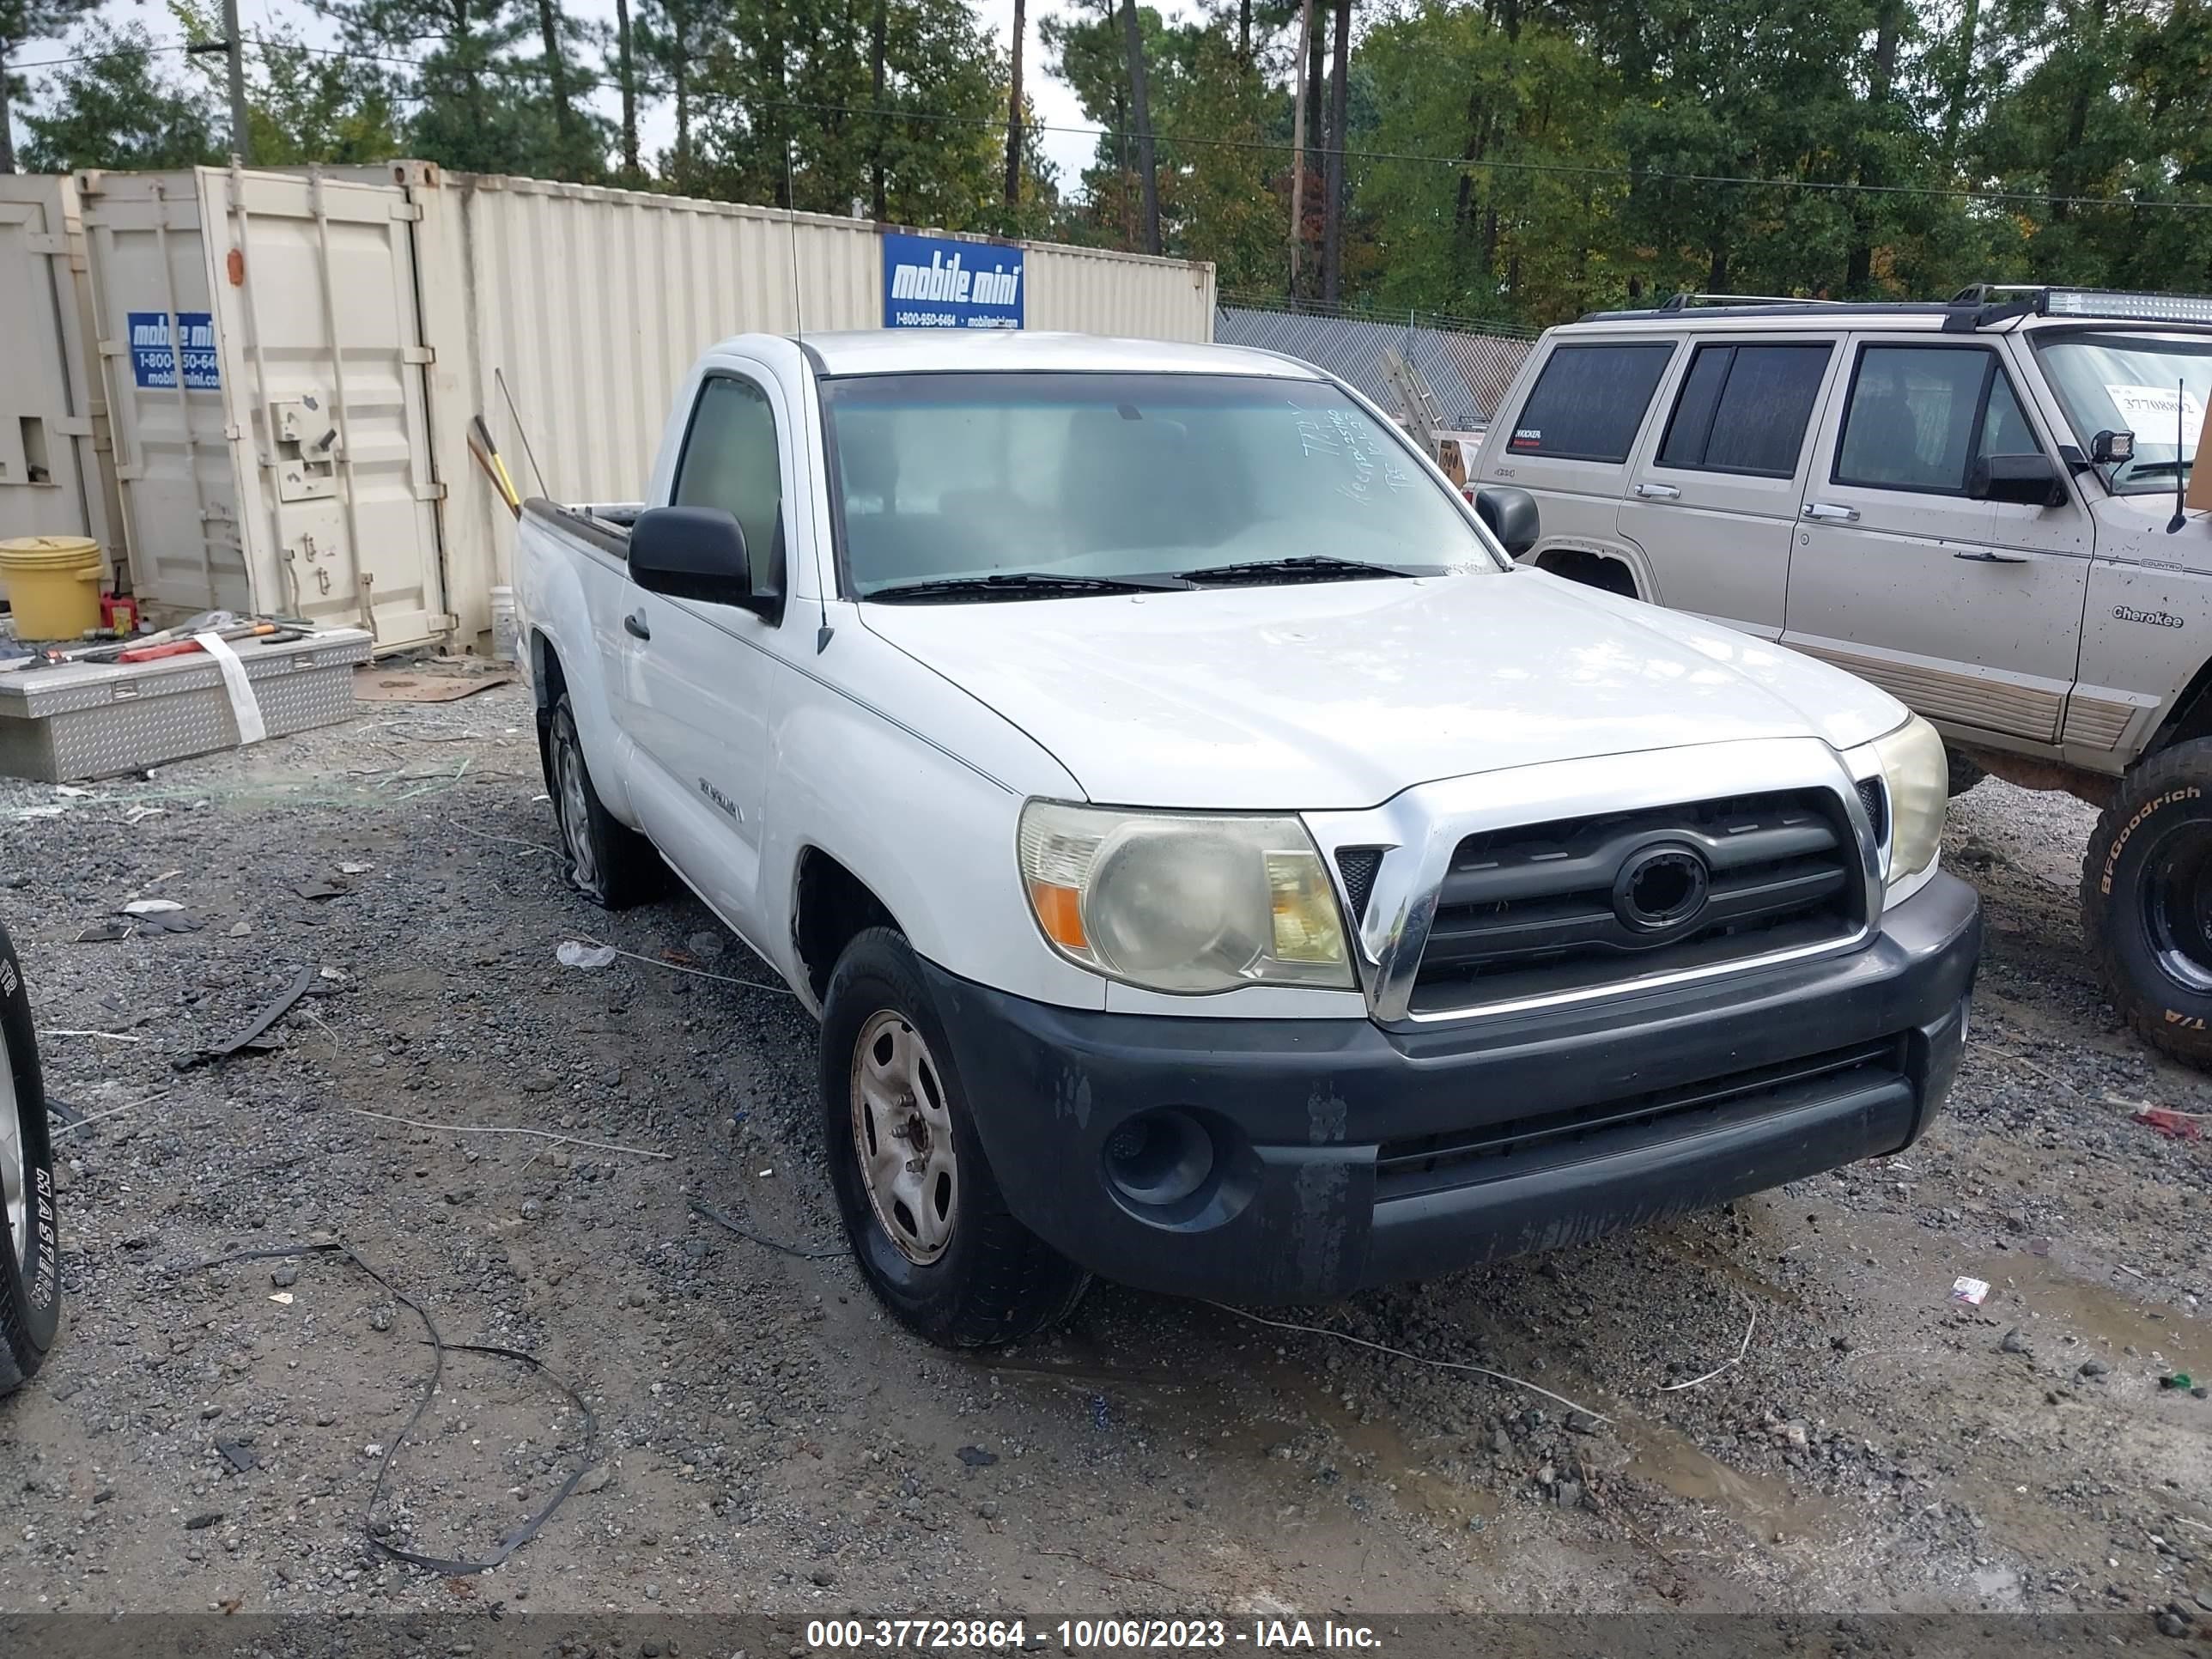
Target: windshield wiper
[1023, 585]
[2153, 468]
[1305, 567]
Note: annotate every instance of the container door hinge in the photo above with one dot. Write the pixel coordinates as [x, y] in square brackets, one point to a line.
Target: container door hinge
[72, 426]
[446, 621]
[410, 211]
[430, 492]
[234, 432]
[46, 242]
[418, 354]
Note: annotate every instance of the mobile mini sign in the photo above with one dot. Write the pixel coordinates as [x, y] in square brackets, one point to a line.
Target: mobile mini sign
[153, 359]
[933, 281]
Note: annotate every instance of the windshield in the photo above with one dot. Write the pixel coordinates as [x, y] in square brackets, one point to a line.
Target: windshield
[2154, 386]
[1095, 480]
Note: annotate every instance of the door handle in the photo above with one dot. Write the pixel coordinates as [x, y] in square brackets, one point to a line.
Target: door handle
[1987, 557]
[633, 625]
[1827, 513]
[1652, 492]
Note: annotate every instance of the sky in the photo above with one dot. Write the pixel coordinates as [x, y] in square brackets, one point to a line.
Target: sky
[1051, 97]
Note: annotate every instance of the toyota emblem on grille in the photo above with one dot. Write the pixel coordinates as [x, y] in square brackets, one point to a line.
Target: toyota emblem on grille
[1661, 889]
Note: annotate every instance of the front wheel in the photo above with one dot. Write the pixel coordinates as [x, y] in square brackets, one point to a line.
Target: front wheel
[30, 1274]
[922, 1209]
[2147, 901]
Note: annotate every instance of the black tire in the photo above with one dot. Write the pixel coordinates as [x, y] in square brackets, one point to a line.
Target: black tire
[607, 862]
[1966, 773]
[2147, 901]
[31, 1272]
[993, 1281]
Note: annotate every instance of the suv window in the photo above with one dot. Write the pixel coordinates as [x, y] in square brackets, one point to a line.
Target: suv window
[730, 461]
[1588, 401]
[1920, 415]
[1745, 409]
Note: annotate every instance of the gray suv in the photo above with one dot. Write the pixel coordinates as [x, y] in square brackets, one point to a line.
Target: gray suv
[1980, 505]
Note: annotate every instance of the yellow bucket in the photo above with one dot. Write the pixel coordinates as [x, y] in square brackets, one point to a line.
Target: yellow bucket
[54, 583]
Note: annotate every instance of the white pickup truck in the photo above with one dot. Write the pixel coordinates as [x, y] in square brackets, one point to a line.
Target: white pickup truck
[1214, 863]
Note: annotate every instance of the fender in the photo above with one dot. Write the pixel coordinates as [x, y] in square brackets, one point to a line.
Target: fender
[944, 861]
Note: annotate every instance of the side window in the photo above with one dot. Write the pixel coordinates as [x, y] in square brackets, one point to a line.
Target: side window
[1920, 415]
[1588, 401]
[730, 461]
[1745, 409]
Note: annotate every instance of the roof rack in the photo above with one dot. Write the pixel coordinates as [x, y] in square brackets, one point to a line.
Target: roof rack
[1683, 301]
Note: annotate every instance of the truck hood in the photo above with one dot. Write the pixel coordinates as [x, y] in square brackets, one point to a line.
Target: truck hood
[1333, 695]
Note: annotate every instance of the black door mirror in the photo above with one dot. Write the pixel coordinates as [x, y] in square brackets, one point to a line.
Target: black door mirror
[1511, 515]
[696, 553]
[2028, 480]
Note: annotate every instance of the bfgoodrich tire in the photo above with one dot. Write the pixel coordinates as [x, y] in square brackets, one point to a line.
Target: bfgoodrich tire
[608, 862]
[922, 1209]
[2147, 901]
[30, 1249]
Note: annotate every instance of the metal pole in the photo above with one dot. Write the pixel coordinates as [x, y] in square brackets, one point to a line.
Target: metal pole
[240, 143]
[1298, 137]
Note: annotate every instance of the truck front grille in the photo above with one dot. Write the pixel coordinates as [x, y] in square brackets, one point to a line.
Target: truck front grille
[1587, 904]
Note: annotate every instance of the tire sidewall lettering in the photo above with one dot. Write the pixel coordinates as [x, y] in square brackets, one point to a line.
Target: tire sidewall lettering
[2136, 821]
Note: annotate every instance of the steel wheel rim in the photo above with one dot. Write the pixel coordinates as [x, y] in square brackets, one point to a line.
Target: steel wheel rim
[903, 1137]
[2177, 905]
[575, 816]
[15, 1162]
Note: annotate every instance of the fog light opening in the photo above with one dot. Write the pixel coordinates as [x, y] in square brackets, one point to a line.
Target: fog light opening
[1160, 1158]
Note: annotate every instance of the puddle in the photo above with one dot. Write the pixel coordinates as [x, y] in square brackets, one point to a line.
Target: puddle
[2038, 1289]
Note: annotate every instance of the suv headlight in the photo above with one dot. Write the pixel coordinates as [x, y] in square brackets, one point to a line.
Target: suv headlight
[1178, 902]
[1913, 767]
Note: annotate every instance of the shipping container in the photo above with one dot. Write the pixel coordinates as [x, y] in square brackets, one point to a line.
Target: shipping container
[340, 329]
[55, 475]
[263, 357]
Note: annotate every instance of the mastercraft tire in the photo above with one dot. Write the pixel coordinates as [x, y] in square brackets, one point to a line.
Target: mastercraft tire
[607, 862]
[2147, 901]
[922, 1211]
[31, 1272]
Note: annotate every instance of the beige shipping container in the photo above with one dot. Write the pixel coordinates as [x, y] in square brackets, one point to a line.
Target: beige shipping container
[57, 477]
[263, 352]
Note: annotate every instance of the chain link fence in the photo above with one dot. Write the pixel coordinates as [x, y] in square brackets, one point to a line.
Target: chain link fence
[1468, 364]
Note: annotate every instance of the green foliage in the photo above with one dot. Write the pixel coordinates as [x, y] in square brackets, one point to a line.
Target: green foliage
[1521, 160]
[115, 107]
[303, 105]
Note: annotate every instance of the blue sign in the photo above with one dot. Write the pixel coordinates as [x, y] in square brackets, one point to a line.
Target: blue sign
[153, 360]
[933, 281]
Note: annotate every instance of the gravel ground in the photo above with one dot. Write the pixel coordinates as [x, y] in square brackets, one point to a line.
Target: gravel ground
[211, 1438]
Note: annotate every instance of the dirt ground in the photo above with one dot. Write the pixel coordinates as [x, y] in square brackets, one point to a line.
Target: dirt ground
[1775, 1407]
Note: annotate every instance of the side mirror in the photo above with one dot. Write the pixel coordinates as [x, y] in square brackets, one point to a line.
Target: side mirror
[2112, 449]
[696, 553]
[2027, 480]
[1511, 515]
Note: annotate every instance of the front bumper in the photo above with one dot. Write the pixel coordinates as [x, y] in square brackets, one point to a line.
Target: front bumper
[1348, 1155]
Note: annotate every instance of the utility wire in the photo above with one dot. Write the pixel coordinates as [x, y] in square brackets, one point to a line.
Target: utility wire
[1633, 175]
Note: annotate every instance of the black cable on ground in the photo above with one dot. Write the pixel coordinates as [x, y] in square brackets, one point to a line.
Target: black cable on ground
[802, 1253]
[440, 1348]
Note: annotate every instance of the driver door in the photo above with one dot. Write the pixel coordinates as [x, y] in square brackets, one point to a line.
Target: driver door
[703, 673]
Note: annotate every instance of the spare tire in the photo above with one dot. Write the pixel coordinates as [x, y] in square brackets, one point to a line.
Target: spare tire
[30, 1247]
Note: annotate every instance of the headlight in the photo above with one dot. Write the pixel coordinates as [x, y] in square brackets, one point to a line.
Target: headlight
[1178, 903]
[1913, 764]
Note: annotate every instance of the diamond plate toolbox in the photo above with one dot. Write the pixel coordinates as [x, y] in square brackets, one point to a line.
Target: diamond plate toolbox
[75, 721]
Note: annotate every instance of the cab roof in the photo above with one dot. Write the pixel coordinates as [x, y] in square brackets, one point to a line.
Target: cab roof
[939, 351]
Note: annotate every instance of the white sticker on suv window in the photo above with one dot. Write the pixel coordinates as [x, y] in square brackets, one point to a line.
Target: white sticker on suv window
[2149, 412]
